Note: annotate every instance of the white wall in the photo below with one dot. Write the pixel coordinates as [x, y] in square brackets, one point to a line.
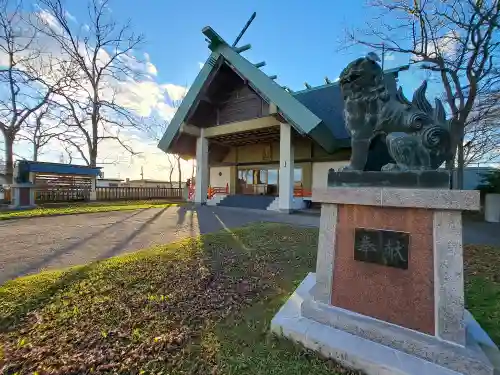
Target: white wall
[320, 172]
[223, 179]
[106, 183]
[101, 183]
[473, 176]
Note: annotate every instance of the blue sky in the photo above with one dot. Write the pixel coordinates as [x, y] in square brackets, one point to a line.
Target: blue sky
[299, 42]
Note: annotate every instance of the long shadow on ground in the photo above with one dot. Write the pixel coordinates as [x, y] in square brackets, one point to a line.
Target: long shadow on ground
[35, 266]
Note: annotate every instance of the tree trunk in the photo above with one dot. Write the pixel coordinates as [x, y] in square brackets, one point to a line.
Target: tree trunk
[453, 165]
[9, 158]
[35, 152]
[179, 170]
[95, 129]
[460, 163]
[93, 157]
[450, 167]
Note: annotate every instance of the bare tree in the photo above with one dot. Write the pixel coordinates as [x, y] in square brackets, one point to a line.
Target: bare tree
[482, 130]
[456, 39]
[40, 129]
[66, 157]
[171, 161]
[29, 75]
[155, 129]
[179, 171]
[103, 52]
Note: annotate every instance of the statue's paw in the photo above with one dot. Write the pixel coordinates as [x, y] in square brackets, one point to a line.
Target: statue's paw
[347, 167]
[391, 167]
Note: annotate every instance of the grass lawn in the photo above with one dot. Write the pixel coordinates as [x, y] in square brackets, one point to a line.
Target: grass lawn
[81, 208]
[201, 306]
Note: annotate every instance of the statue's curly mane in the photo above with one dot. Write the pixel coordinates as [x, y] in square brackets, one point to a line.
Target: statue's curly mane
[363, 79]
[420, 102]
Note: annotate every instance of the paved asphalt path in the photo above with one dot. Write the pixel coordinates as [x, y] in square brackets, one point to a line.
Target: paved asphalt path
[31, 245]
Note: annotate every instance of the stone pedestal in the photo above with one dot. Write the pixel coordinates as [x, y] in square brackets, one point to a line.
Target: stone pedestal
[22, 196]
[388, 293]
[93, 190]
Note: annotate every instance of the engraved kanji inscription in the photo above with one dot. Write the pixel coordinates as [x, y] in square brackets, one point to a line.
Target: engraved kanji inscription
[389, 248]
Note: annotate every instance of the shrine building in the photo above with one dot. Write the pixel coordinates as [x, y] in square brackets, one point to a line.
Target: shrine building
[258, 144]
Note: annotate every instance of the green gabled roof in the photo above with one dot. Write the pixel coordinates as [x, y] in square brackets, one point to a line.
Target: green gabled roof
[188, 101]
[292, 110]
[299, 116]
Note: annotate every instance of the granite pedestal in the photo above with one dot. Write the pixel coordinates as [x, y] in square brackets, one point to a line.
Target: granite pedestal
[22, 196]
[388, 293]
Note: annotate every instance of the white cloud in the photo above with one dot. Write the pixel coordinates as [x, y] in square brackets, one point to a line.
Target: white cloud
[69, 16]
[49, 20]
[151, 69]
[165, 111]
[140, 96]
[86, 27]
[200, 65]
[154, 161]
[389, 56]
[445, 46]
[115, 161]
[175, 92]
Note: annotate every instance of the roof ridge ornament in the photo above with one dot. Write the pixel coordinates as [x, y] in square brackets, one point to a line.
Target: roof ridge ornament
[250, 20]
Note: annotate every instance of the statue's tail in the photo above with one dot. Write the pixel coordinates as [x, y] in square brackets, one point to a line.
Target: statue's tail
[434, 137]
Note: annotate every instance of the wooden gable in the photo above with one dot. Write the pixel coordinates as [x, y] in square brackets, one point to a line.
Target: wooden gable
[228, 99]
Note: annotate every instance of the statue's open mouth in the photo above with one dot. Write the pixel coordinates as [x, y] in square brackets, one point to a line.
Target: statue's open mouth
[350, 79]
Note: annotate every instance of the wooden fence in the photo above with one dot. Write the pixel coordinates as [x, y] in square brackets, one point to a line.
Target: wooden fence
[123, 193]
[67, 194]
[64, 194]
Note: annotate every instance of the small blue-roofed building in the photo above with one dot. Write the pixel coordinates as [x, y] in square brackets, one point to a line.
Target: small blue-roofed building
[43, 181]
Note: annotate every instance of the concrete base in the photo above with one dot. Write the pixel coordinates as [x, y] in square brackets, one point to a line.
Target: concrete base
[216, 199]
[22, 208]
[297, 204]
[439, 179]
[355, 344]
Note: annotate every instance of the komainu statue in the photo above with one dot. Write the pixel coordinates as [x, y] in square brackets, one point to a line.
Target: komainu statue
[413, 134]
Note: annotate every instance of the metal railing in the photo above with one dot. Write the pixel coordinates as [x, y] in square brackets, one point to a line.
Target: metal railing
[213, 190]
[299, 191]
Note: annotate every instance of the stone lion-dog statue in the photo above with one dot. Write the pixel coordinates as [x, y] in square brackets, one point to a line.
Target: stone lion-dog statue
[415, 135]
